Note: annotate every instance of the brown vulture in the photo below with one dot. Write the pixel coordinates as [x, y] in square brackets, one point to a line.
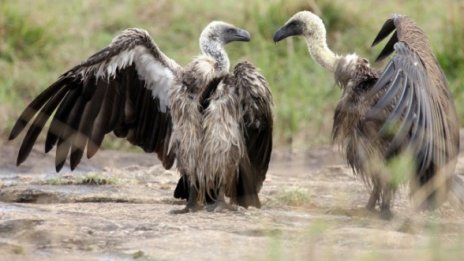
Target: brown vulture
[216, 124]
[405, 110]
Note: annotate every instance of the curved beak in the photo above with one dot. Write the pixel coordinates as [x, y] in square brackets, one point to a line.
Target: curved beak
[280, 34]
[242, 35]
[290, 29]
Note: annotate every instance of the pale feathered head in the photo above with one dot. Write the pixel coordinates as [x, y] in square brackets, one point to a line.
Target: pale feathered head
[302, 23]
[223, 33]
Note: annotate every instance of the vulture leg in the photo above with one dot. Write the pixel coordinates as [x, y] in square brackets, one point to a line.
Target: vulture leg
[182, 190]
[221, 203]
[192, 203]
[374, 197]
[385, 211]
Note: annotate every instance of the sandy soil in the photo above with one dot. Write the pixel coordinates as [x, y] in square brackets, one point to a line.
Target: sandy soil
[312, 209]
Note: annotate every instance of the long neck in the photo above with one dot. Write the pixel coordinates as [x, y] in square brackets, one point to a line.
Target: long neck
[216, 50]
[317, 46]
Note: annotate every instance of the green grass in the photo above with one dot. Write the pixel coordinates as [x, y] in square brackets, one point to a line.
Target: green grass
[58, 181]
[92, 178]
[294, 197]
[97, 179]
[41, 39]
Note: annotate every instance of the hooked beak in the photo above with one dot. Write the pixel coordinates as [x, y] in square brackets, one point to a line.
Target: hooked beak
[287, 30]
[242, 36]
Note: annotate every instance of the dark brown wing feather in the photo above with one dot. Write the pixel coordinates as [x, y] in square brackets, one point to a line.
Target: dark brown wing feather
[257, 125]
[108, 92]
[416, 107]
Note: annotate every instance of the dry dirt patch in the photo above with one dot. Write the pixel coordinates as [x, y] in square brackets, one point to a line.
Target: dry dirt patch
[117, 206]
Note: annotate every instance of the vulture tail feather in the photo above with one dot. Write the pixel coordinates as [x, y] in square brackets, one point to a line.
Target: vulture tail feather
[182, 189]
[246, 193]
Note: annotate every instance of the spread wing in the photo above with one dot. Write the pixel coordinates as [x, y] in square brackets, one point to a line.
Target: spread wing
[415, 106]
[124, 88]
[257, 123]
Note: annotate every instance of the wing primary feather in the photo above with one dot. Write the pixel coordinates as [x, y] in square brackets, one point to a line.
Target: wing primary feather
[88, 118]
[70, 127]
[38, 124]
[80, 140]
[121, 128]
[96, 106]
[387, 28]
[101, 122]
[35, 106]
[256, 123]
[388, 49]
[110, 91]
[416, 132]
[403, 130]
[419, 132]
[167, 157]
[117, 109]
[143, 119]
[83, 123]
[395, 114]
[383, 80]
[64, 130]
[153, 127]
[387, 97]
[56, 126]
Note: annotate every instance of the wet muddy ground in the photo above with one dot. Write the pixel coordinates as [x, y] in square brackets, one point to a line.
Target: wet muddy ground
[116, 206]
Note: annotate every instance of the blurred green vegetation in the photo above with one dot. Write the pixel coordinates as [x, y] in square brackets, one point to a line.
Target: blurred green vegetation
[91, 178]
[43, 38]
[294, 197]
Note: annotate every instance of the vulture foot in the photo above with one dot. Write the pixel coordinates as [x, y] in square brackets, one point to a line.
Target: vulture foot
[385, 211]
[187, 209]
[374, 197]
[192, 204]
[220, 206]
[386, 214]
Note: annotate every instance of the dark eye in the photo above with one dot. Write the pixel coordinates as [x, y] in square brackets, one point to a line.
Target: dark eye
[230, 31]
[292, 23]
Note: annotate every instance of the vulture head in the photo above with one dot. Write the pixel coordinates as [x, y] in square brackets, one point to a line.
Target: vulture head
[213, 38]
[222, 33]
[302, 23]
[311, 27]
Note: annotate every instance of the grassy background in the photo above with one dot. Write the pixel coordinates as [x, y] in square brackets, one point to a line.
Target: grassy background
[43, 38]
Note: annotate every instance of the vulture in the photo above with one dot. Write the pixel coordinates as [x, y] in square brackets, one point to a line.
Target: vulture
[215, 124]
[403, 112]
